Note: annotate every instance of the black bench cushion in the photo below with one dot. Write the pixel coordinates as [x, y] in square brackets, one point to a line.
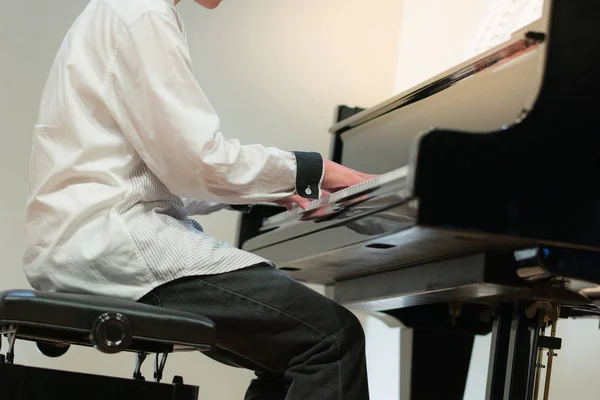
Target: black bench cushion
[69, 318]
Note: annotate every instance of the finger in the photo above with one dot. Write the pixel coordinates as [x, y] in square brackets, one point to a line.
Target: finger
[350, 180]
[300, 201]
[289, 205]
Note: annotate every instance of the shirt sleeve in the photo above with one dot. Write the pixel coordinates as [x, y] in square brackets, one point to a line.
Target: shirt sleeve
[162, 111]
[202, 207]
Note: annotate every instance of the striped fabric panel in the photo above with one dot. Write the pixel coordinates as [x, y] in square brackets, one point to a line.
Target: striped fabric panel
[172, 244]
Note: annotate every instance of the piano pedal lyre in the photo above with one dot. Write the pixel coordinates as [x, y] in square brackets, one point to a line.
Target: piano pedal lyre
[549, 315]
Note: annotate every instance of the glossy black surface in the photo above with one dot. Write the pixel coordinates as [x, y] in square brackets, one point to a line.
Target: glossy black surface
[536, 178]
[475, 278]
[355, 219]
[69, 318]
[501, 55]
[512, 365]
[343, 113]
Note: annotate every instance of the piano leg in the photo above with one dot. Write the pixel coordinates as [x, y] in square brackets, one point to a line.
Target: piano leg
[440, 364]
[513, 354]
[441, 347]
[443, 343]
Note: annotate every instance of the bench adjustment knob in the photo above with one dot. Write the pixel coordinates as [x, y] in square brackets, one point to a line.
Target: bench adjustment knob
[111, 333]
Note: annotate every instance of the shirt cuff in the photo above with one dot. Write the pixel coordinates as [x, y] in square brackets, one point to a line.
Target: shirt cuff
[309, 174]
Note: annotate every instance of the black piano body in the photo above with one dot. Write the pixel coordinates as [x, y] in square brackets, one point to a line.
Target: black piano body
[491, 207]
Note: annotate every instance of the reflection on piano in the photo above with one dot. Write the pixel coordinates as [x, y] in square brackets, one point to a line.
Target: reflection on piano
[485, 217]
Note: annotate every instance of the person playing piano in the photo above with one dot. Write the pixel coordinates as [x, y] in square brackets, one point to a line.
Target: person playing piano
[126, 148]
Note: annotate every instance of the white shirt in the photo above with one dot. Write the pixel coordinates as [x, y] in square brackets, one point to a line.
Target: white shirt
[124, 133]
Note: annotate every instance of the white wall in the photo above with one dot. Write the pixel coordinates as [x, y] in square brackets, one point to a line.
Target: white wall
[274, 70]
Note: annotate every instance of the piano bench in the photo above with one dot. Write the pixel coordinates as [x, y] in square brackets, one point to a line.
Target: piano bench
[58, 320]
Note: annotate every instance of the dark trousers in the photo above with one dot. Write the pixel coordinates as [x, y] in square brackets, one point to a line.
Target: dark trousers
[301, 345]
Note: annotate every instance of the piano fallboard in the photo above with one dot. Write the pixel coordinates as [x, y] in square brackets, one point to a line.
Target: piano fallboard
[365, 230]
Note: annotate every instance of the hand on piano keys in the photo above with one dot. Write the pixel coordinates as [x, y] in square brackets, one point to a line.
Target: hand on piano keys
[377, 190]
[336, 177]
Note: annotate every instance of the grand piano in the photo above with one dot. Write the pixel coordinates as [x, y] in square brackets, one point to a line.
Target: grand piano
[484, 217]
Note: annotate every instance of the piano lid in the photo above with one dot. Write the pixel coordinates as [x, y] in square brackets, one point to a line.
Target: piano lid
[528, 37]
